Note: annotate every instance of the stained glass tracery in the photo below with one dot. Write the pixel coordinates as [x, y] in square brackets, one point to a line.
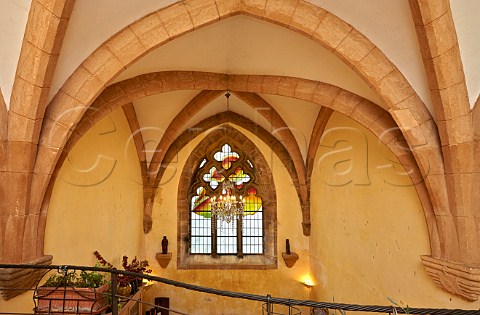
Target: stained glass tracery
[211, 236]
[226, 156]
[213, 177]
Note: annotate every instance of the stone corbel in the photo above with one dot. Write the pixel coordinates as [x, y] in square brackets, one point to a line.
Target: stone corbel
[290, 259]
[306, 226]
[163, 259]
[21, 279]
[460, 279]
[147, 216]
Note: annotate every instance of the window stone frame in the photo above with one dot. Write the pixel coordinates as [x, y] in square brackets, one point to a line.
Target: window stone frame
[267, 260]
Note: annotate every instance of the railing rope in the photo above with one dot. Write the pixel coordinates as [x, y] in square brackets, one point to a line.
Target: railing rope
[259, 298]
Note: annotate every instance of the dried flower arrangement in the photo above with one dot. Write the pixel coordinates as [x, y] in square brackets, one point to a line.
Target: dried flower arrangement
[137, 266]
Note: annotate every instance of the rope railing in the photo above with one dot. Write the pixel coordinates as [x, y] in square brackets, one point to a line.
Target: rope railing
[255, 297]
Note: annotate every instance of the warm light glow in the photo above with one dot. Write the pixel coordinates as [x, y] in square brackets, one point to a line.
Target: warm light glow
[308, 282]
[147, 283]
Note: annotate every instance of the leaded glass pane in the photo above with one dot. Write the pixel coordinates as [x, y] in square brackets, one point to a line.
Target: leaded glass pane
[201, 204]
[252, 203]
[252, 232]
[202, 163]
[226, 237]
[201, 245]
[226, 156]
[253, 245]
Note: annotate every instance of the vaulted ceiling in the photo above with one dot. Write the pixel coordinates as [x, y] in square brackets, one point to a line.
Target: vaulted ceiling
[243, 45]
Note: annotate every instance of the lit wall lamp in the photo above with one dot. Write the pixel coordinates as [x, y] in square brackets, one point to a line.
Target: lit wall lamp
[147, 283]
[308, 283]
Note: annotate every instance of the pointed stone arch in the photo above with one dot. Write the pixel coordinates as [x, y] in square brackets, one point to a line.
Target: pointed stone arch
[421, 137]
[365, 112]
[254, 101]
[45, 29]
[232, 118]
[357, 51]
[159, 27]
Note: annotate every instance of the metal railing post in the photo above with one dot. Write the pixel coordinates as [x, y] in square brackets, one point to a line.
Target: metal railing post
[114, 305]
[269, 305]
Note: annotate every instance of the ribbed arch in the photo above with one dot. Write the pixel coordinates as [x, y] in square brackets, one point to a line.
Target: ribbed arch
[320, 123]
[36, 64]
[421, 139]
[283, 132]
[365, 112]
[235, 119]
[278, 124]
[176, 125]
[155, 29]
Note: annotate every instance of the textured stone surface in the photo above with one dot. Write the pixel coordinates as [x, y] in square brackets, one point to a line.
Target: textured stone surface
[126, 46]
[307, 17]
[280, 11]
[460, 279]
[103, 64]
[202, 12]
[38, 58]
[332, 31]
[355, 47]
[21, 278]
[150, 31]
[176, 19]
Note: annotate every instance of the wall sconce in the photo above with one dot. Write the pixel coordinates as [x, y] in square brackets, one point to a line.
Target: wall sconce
[147, 283]
[308, 283]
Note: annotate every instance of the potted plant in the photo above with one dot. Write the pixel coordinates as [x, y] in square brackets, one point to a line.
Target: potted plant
[70, 292]
[127, 284]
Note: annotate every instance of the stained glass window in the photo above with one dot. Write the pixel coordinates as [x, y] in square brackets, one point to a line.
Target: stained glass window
[209, 234]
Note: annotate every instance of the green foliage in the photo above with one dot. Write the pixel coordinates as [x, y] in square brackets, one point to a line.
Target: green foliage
[61, 280]
[86, 279]
[90, 280]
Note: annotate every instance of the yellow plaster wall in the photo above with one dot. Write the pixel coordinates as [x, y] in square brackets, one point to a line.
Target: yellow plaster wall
[281, 282]
[96, 203]
[97, 200]
[19, 304]
[368, 226]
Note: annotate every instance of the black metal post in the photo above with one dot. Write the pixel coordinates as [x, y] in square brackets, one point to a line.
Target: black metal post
[269, 305]
[113, 276]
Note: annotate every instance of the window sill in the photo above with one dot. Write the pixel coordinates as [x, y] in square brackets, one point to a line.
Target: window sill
[227, 262]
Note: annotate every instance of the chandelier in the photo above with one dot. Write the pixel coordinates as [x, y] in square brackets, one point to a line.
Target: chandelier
[226, 207]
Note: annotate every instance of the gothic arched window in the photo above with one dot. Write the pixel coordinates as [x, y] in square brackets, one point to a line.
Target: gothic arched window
[226, 214]
[226, 164]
